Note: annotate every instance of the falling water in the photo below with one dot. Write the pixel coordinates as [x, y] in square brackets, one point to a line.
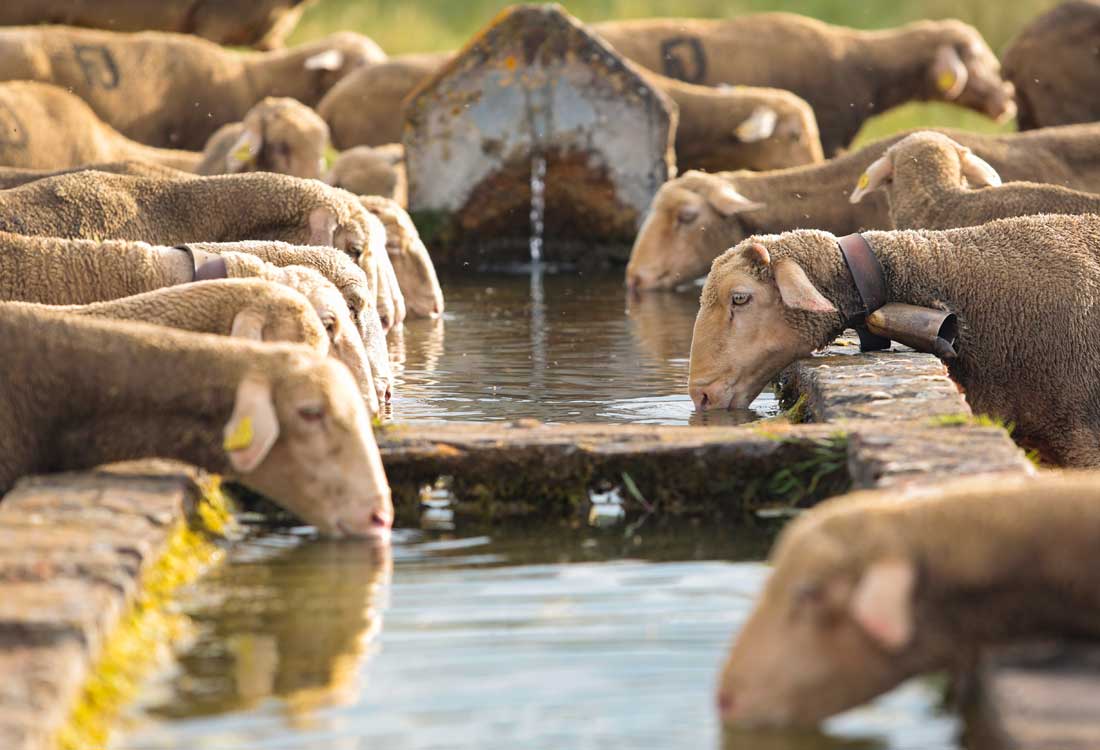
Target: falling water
[538, 206]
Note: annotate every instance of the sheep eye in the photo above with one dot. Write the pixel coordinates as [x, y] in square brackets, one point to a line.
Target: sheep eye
[314, 413]
[741, 298]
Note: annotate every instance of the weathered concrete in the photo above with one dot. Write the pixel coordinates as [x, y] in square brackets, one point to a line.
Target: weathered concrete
[893, 385]
[76, 551]
[535, 83]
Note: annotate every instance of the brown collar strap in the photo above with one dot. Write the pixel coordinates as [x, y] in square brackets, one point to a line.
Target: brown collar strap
[206, 266]
[870, 282]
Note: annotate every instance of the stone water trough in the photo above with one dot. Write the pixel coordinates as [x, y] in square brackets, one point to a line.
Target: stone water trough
[535, 87]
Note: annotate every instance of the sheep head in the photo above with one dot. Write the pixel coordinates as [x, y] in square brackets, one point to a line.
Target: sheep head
[302, 436]
[965, 71]
[280, 135]
[744, 333]
[926, 159]
[411, 262]
[692, 220]
[835, 626]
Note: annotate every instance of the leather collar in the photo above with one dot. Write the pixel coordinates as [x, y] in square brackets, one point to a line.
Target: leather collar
[870, 281]
[205, 266]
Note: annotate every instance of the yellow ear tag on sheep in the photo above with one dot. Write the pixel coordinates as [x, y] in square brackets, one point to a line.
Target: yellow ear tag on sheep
[946, 81]
[243, 154]
[864, 181]
[241, 437]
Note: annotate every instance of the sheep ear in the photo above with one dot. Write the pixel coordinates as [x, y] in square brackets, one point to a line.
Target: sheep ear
[758, 255]
[244, 151]
[977, 171]
[248, 324]
[873, 177]
[796, 289]
[330, 59]
[726, 201]
[882, 603]
[949, 72]
[758, 126]
[253, 426]
[322, 227]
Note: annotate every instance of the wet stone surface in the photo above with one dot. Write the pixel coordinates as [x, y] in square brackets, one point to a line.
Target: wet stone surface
[73, 548]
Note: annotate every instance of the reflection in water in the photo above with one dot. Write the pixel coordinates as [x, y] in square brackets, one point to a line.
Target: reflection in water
[293, 624]
[547, 637]
[556, 347]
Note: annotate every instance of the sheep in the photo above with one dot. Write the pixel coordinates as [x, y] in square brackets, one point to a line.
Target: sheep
[342, 272]
[1052, 63]
[371, 170]
[741, 127]
[696, 217]
[390, 301]
[173, 90]
[877, 586]
[928, 179]
[411, 262]
[15, 176]
[277, 135]
[72, 272]
[847, 75]
[1028, 353]
[263, 25]
[167, 212]
[281, 419]
[383, 88]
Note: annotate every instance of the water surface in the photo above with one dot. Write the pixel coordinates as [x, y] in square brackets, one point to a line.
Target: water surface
[567, 347]
[545, 637]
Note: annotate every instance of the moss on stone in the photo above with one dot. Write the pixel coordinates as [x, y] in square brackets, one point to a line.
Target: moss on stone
[149, 626]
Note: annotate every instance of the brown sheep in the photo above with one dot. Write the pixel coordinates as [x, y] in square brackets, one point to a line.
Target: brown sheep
[737, 127]
[212, 209]
[365, 109]
[696, 217]
[372, 170]
[847, 75]
[11, 177]
[411, 261]
[54, 271]
[281, 419]
[277, 135]
[930, 182]
[263, 24]
[173, 90]
[740, 127]
[1028, 353]
[1052, 63]
[343, 272]
[872, 588]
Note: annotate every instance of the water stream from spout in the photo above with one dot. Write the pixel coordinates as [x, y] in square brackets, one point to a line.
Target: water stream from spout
[538, 206]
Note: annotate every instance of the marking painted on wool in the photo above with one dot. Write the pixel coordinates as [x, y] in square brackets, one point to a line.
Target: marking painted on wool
[683, 57]
[98, 64]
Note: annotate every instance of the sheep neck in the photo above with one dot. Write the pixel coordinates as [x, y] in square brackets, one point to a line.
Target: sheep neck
[893, 65]
[109, 398]
[283, 73]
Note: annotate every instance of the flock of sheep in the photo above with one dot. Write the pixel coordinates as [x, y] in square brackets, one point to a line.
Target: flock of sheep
[185, 275]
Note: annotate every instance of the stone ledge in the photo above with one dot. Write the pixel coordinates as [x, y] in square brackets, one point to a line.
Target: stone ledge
[75, 550]
[899, 384]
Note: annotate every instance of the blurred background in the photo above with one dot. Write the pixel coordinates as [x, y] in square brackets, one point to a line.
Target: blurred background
[402, 26]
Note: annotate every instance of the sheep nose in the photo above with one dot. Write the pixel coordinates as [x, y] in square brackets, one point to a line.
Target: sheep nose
[380, 520]
[437, 309]
[389, 393]
[701, 398]
[725, 704]
[634, 281]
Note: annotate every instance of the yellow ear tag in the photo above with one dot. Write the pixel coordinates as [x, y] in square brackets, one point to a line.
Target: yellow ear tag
[946, 81]
[864, 181]
[241, 437]
[243, 154]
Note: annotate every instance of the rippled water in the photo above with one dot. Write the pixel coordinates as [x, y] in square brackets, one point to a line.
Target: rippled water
[556, 347]
[547, 637]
